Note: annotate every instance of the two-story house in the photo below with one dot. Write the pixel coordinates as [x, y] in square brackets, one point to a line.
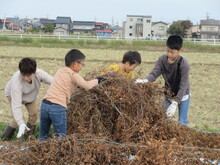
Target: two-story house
[44, 22]
[210, 28]
[63, 26]
[137, 26]
[102, 29]
[159, 30]
[83, 27]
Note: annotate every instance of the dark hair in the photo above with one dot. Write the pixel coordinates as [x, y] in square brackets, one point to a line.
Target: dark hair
[27, 66]
[174, 42]
[132, 57]
[73, 56]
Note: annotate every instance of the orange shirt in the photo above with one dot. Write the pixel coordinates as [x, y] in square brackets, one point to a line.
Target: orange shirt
[64, 83]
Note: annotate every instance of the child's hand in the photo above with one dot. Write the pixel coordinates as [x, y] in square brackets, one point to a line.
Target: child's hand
[22, 129]
[142, 81]
[100, 79]
[171, 109]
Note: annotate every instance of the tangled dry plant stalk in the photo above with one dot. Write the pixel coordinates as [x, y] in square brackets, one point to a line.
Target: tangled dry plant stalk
[119, 122]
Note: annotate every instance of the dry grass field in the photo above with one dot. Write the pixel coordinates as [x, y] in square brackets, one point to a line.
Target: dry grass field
[204, 112]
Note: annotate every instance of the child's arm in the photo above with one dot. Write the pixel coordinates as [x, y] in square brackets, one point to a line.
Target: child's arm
[45, 77]
[156, 72]
[16, 102]
[79, 81]
[184, 82]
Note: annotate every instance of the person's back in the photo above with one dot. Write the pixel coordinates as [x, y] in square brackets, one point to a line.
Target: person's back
[130, 61]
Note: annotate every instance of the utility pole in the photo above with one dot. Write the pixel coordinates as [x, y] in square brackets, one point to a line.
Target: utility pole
[207, 15]
[3, 28]
[113, 24]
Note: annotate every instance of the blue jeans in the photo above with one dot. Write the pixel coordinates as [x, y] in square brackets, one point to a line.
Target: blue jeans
[52, 114]
[183, 110]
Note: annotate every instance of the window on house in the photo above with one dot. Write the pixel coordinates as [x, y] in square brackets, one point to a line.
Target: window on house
[139, 29]
[130, 34]
[130, 27]
[139, 20]
[147, 21]
[210, 29]
[131, 19]
[162, 28]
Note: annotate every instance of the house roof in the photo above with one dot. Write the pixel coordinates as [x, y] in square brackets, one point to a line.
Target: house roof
[210, 22]
[47, 21]
[63, 20]
[144, 16]
[154, 23]
[6, 21]
[99, 23]
[104, 31]
[83, 23]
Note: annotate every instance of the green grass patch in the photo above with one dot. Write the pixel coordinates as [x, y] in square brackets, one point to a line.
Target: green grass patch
[35, 136]
[102, 44]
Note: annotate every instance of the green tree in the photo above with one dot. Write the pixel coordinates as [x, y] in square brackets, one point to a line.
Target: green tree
[180, 28]
[186, 24]
[35, 30]
[176, 28]
[49, 28]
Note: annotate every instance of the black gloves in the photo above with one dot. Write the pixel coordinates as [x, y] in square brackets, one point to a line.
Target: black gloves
[100, 79]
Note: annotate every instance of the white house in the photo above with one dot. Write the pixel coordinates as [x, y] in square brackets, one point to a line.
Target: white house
[210, 28]
[159, 30]
[137, 26]
[83, 27]
[63, 26]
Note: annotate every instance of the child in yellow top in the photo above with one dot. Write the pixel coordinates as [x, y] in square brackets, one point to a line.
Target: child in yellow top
[130, 61]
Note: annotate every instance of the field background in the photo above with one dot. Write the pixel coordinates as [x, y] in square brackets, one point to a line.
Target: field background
[204, 111]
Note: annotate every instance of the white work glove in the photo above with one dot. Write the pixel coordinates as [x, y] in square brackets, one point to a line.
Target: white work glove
[22, 129]
[142, 81]
[171, 109]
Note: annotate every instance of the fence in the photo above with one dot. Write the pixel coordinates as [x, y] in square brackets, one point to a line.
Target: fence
[215, 42]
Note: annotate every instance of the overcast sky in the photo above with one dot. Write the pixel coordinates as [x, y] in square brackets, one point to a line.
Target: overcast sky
[112, 10]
